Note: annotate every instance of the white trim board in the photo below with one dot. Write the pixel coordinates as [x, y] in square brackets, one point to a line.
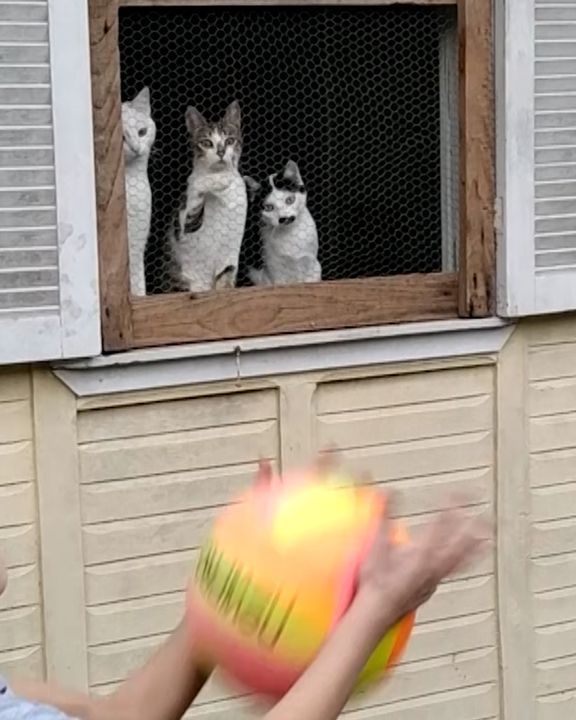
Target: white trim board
[75, 178]
[267, 357]
[515, 43]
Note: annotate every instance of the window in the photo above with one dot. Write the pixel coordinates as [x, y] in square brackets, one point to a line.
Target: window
[387, 110]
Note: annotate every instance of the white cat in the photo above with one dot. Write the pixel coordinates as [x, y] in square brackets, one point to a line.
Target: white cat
[139, 134]
[207, 231]
[288, 232]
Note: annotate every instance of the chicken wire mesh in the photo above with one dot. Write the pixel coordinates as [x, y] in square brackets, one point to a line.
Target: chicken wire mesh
[356, 105]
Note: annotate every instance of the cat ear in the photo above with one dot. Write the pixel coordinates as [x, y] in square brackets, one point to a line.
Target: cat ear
[291, 172]
[253, 186]
[142, 101]
[232, 116]
[194, 120]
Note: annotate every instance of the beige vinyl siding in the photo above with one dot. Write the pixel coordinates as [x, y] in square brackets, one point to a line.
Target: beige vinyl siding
[20, 608]
[552, 435]
[152, 478]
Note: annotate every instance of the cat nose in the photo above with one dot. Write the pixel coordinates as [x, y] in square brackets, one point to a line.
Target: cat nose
[221, 150]
[286, 220]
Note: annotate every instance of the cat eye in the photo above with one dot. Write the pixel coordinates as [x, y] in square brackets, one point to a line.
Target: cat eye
[290, 200]
[142, 132]
[206, 143]
[230, 141]
[268, 207]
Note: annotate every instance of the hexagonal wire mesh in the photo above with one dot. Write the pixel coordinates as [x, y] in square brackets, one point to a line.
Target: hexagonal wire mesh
[363, 99]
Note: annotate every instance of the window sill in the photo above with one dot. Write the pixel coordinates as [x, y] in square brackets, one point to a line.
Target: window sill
[281, 355]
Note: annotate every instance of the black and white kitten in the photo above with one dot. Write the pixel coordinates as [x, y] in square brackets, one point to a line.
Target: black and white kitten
[207, 230]
[288, 232]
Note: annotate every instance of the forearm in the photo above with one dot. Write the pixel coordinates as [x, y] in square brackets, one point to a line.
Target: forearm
[324, 689]
[75, 704]
[167, 684]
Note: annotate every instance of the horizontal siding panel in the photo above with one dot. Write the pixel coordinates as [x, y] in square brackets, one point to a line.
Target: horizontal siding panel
[555, 30]
[24, 94]
[434, 675]
[554, 467]
[553, 573]
[45, 277]
[149, 536]
[556, 259]
[555, 606]
[370, 393]
[19, 545]
[428, 494]
[552, 432]
[15, 420]
[552, 242]
[25, 75]
[17, 504]
[28, 258]
[29, 33]
[27, 217]
[22, 157]
[556, 676]
[24, 663]
[565, 83]
[33, 116]
[564, 101]
[11, 54]
[22, 178]
[28, 238]
[23, 588]
[176, 452]
[129, 579]
[9, 137]
[29, 299]
[563, 12]
[552, 361]
[110, 663]
[159, 494]
[556, 707]
[555, 189]
[555, 207]
[14, 385]
[133, 618]
[566, 154]
[419, 458]
[549, 397]
[555, 225]
[21, 627]
[459, 598]
[554, 641]
[558, 172]
[553, 66]
[176, 415]
[390, 425]
[27, 198]
[19, 11]
[555, 49]
[16, 462]
[556, 120]
[554, 502]
[554, 537]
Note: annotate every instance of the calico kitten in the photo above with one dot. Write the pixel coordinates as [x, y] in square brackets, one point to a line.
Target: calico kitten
[288, 232]
[139, 132]
[206, 232]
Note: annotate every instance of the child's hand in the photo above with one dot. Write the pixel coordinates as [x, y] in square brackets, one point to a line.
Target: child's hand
[398, 579]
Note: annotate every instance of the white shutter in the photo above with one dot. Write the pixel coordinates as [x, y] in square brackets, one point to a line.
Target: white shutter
[537, 163]
[48, 258]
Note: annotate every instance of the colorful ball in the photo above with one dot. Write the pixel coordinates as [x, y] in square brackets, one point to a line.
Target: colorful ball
[278, 572]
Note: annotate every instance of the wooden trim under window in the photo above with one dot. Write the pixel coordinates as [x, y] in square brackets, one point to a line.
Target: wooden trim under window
[249, 312]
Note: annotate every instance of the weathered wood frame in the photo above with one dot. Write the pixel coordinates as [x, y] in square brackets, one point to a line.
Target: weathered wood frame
[166, 319]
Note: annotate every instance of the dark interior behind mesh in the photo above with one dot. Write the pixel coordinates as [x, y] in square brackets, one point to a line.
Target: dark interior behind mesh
[350, 93]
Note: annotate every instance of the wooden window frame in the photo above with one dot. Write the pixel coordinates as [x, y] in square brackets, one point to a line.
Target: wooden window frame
[129, 322]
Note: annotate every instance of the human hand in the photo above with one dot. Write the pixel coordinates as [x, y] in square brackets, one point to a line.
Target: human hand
[398, 578]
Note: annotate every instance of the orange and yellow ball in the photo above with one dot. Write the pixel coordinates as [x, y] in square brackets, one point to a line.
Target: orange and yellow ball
[278, 572]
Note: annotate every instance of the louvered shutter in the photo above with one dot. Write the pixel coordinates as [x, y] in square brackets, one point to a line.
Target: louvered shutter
[537, 172]
[48, 261]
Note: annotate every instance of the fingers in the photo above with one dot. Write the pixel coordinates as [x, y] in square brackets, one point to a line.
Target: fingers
[264, 475]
